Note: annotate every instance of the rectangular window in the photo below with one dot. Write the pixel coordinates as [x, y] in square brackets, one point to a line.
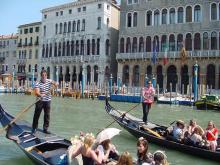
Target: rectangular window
[57, 14]
[45, 30]
[31, 30]
[129, 2]
[61, 13]
[45, 16]
[70, 11]
[25, 31]
[79, 9]
[99, 6]
[99, 23]
[84, 8]
[36, 54]
[108, 7]
[135, 1]
[37, 29]
[21, 31]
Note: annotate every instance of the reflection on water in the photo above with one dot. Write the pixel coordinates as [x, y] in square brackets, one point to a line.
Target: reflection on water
[69, 117]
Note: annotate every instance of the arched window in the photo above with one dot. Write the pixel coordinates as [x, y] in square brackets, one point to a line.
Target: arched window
[29, 68]
[136, 75]
[197, 14]
[164, 16]
[128, 45]
[172, 42]
[125, 75]
[107, 47]
[213, 40]
[83, 25]
[77, 47]
[122, 45]
[50, 50]
[88, 47]
[134, 45]
[129, 20]
[56, 28]
[74, 26]
[65, 27]
[180, 15]
[156, 17]
[43, 51]
[213, 11]
[68, 48]
[149, 18]
[197, 41]
[98, 46]
[61, 28]
[188, 41]
[82, 47]
[64, 49]
[78, 26]
[163, 43]
[148, 44]
[135, 17]
[55, 49]
[72, 48]
[59, 49]
[188, 14]
[156, 44]
[172, 16]
[69, 27]
[93, 46]
[141, 44]
[35, 68]
[205, 41]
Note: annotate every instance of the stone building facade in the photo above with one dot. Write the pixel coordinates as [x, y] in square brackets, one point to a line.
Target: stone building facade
[8, 45]
[154, 29]
[80, 37]
[28, 51]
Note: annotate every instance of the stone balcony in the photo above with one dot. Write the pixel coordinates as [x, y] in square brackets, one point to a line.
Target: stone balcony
[21, 61]
[173, 54]
[71, 59]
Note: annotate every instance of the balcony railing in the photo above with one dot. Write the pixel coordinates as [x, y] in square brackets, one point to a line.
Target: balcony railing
[21, 61]
[70, 59]
[36, 43]
[19, 45]
[175, 54]
[30, 44]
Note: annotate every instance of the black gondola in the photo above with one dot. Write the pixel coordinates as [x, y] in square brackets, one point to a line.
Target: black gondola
[43, 149]
[156, 133]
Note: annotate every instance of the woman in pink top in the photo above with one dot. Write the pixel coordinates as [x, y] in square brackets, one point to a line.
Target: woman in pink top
[148, 98]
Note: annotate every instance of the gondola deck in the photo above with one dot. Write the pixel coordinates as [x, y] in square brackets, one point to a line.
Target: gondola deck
[155, 133]
[41, 148]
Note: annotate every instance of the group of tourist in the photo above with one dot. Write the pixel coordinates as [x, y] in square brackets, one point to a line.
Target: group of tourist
[194, 134]
[105, 152]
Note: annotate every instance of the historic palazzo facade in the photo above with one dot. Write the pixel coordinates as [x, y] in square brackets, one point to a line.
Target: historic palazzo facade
[80, 37]
[154, 30]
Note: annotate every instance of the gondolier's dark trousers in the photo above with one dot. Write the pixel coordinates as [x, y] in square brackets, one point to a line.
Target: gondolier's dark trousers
[39, 106]
[146, 108]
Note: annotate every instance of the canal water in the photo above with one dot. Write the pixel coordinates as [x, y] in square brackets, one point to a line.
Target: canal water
[70, 116]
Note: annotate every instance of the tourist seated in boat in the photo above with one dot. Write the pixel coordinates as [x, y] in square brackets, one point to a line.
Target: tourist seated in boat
[106, 150]
[196, 137]
[211, 135]
[125, 159]
[160, 158]
[143, 156]
[89, 156]
[178, 131]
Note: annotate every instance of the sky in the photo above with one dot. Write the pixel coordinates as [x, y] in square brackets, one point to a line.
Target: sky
[17, 12]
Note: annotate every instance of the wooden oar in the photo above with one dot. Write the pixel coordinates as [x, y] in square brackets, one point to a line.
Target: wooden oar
[19, 115]
[119, 117]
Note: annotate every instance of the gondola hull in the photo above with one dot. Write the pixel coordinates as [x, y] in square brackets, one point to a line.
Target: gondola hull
[41, 148]
[134, 125]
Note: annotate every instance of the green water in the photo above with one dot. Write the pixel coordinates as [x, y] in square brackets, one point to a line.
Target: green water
[69, 117]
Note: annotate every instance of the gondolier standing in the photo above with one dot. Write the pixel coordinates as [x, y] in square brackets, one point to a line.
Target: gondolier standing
[148, 98]
[42, 90]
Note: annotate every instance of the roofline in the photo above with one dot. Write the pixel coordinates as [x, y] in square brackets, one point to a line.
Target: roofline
[76, 3]
[9, 36]
[30, 24]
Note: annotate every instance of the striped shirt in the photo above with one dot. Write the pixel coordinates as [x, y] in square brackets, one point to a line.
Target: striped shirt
[44, 89]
